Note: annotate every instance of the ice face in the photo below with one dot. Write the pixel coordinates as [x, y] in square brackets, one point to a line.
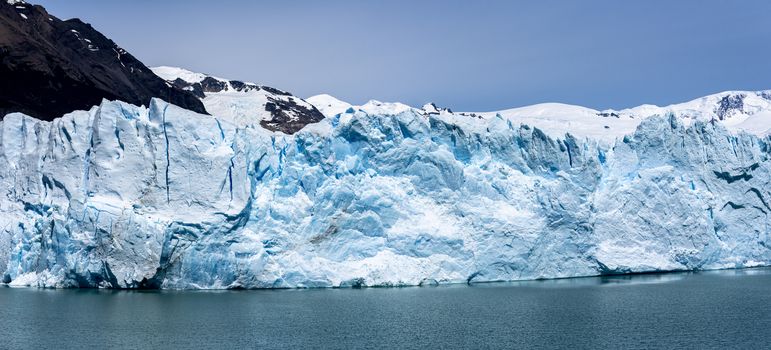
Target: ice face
[132, 197]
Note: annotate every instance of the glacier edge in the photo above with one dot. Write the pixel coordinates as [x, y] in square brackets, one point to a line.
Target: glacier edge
[160, 197]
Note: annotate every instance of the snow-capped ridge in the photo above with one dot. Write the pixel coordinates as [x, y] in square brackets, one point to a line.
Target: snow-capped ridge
[738, 110]
[169, 73]
[328, 104]
[244, 103]
[431, 108]
[387, 108]
[721, 106]
[200, 83]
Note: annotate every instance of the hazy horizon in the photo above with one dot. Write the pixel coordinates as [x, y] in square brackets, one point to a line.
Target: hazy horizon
[599, 54]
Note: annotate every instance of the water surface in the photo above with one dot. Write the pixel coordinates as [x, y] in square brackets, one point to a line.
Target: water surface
[725, 309]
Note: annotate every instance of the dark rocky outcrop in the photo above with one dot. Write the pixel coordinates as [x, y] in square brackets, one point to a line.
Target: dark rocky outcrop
[728, 105]
[288, 116]
[49, 67]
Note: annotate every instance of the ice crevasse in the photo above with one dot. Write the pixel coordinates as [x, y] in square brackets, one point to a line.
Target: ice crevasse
[160, 197]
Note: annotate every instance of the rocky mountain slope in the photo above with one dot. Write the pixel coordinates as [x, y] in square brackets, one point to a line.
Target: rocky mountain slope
[50, 67]
[244, 103]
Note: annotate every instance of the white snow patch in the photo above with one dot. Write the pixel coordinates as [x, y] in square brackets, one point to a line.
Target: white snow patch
[172, 73]
[328, 105]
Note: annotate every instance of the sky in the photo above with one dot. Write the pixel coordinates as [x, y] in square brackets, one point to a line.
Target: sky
[469, 56]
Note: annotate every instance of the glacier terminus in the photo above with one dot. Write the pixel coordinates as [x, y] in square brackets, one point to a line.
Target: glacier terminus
[125, 196]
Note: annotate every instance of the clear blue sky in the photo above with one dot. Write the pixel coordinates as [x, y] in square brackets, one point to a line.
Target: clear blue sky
[481, 55]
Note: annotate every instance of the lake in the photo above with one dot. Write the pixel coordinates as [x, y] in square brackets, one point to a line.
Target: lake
[721, 309]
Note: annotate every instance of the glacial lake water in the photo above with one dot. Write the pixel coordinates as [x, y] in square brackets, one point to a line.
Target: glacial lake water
[721, 309]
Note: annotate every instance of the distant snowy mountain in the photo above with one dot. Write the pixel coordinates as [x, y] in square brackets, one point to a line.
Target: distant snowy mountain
[328, 104]
[248, 103]
[244, 103]
[737, 110]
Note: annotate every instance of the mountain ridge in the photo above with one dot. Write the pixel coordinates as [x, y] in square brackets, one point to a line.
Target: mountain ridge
[244, 102]
[51, 67]
[748, 111]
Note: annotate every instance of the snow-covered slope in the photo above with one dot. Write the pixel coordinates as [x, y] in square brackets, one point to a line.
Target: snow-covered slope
[737, 110]
[125, 196]
[328, 105]
[244, 103]
[249, 103]
[559, 119]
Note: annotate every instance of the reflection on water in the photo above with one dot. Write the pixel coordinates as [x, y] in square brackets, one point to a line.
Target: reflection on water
[717, 309]
[627, 279]
[594, 280]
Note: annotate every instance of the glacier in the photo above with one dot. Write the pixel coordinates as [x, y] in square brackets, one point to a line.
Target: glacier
[122, 196]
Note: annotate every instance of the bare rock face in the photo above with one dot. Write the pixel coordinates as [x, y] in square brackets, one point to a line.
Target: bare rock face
[288, 116]
[50, 67]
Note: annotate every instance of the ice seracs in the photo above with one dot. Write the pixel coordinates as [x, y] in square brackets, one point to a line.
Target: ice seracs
[383, 194]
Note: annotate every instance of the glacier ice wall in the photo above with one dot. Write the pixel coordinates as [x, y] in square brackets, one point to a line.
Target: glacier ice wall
[160, 197]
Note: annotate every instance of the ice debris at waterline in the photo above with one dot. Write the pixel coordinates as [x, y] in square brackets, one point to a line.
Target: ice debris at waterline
[161, 197]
